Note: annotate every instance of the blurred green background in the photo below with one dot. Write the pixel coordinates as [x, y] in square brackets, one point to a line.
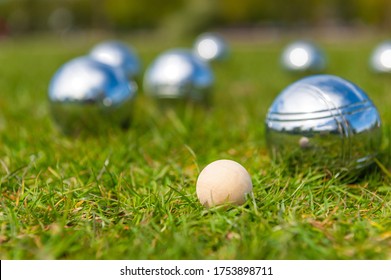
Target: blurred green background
[132, 195]
[181, 18]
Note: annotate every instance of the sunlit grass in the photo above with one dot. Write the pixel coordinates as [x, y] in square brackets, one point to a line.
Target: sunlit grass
[131, 194]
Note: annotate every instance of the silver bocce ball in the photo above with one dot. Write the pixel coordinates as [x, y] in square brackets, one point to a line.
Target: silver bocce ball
[380, 60]
[211, 47]
[302, 56]
[88, 96]
[178, 74]
[323, 121]
[119, 56]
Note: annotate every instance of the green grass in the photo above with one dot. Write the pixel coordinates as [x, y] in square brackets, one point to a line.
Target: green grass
[131, 195]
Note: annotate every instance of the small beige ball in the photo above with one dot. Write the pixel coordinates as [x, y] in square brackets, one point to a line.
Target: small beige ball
[223, 181]
[304, 142]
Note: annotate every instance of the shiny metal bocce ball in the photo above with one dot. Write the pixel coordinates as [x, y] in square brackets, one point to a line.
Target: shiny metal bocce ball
[211, 47]
[380, 60]
[302, 56]
[178, 74]
[86, 95]
[323, 121]
[119, 56]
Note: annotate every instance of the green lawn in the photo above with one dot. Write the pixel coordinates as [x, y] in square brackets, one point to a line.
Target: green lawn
[131, 194]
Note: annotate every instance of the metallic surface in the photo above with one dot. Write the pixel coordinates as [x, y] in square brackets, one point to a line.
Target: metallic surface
[302, 56]
[178, 74]
[210, 47]
[323, 121]
[119, 56]
[380, 60]
[85, 94]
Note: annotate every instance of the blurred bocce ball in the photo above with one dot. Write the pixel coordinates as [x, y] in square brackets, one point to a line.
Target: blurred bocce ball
[323, 121]
[302, 56]
[178, 74]
[211, 47]
[87, 95]
[118, 55]
[223, 181]
[380, 60]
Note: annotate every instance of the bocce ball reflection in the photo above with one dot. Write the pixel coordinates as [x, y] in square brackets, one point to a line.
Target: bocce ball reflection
[302, 56]
[210, 47]
[179, 74]
[323, 121]
[118, 55]
[380, 60]
[85, 94]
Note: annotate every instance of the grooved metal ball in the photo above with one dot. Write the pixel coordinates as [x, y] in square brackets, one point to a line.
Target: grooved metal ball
[86, 95]
[323, 121]
[302, 56]
[211, 47]
[178, 74]
[380, 60]
[118, 55]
